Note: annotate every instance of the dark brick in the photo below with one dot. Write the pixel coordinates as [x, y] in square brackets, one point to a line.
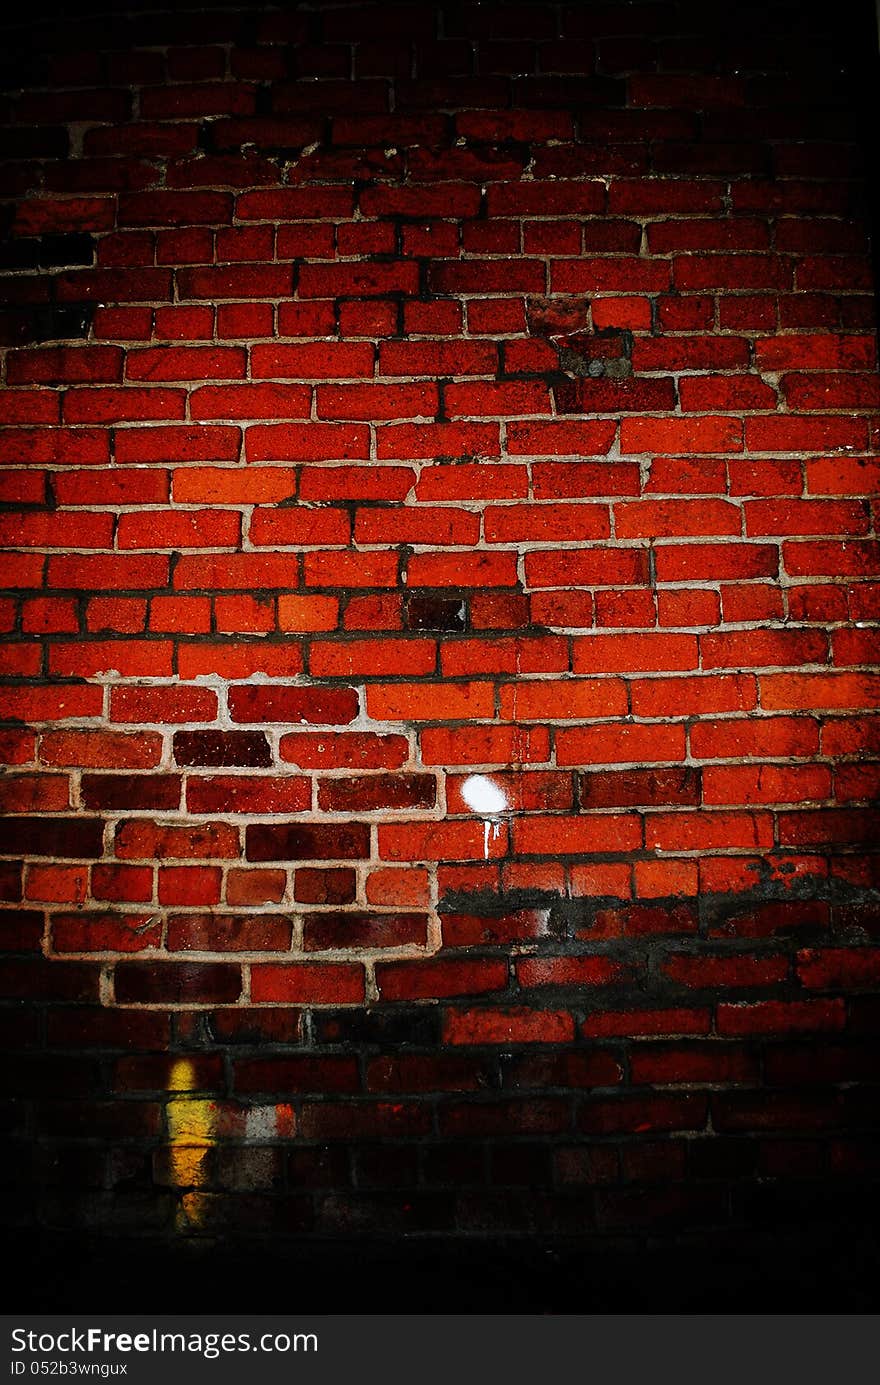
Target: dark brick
[634, 920]
[305, 1073]
[43, 1075]
[21, 930]
[10, 880]
[435, 1072]
[60, 322]
[594, 1068]
[177, 983]
[387, 1166]
[317, 706]
[126, 792]
[256, 932]
[219, 748]
[527, 1165]
[367, 793]
[313, 886]
[639, 788]
[257, 1026]
[47, 251]
[436, 613]
[307, 842]
[78, 838]
[319, 1167]
[321, 931]
[378, 1212]
[417, 1027]
[88, 1027]
[30, 141]
[99, 1119]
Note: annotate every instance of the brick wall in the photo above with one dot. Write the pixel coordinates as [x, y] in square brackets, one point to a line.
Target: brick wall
[439, 609]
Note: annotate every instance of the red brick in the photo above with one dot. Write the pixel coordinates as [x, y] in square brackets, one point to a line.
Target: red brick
[813, 434]
[126, 405]
[130, 792]
[483, 745]
[133, 884]
[669, 518]
[476, 481]
[496, 398]
[131, 659]
[466, 930]
[48, 703]
[640, 1114]
[476, 569]
[43, 215]
[179, 529]
[507, 1026]
[347, 570]
[706, 972]
[546, 523]
[815, 352]
[250, 401]
[420, 525]
[765, 784]
[633, 653]
[634, 788]
[391, 885]
[757, 737]
[675, 436]
[713, 562]
[180, 323]
[707, 831]
[315, 983]
[376, 401]
[248, 794]
[548, 654]
[183, 444]
[255, 886]
[101, 749]
[299, 526]
[568, 971]
[598, 567]
[62, 365]
[429, 702]
[59, 530]
[411, 980]
[438, 841]
[809, 691]
[617, 744]
[242, 660]
[324, 361]
[186, 363]
[571, 836]
[696, 1062]
[372, 658]
[842, 968]
[80, 446]
[139, 839]
[215, 932]
[159, 208]
[377, 793]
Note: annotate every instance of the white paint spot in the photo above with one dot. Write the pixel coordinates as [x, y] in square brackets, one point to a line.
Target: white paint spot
[496, 832]
[484, 797]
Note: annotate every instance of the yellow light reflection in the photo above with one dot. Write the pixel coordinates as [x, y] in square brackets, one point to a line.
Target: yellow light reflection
[190, 1131]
